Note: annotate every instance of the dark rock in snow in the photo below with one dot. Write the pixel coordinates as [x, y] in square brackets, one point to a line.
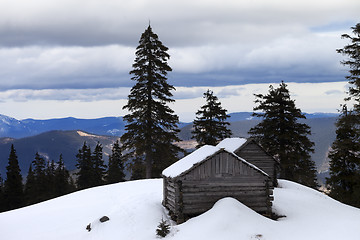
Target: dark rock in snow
[88, 227]
[104, 219]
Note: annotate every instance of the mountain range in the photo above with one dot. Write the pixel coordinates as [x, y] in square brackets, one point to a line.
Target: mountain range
[50, 145]
[66, 136]
[110, 126]
[11, 127]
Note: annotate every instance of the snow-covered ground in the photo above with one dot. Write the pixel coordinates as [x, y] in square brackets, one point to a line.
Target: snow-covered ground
[135, 210]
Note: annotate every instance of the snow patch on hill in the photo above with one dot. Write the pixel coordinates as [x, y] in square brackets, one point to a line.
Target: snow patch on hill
[84, 134]
[135, 210]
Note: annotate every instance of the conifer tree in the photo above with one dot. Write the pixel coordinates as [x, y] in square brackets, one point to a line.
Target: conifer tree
[99, 167]
[62, 179]
[210, 125]
[164, 157]
[29, 191]
[13, 187]
[137, 168]
[150, 122]
[50, 179]
[352, 51]
[344, 178]
[41, 186]
[163, 228]
[283, 136]
[84, 165]
[116, 168]
[2, 200]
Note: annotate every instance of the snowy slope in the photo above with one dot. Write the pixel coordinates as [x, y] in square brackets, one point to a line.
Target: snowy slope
[135, 209]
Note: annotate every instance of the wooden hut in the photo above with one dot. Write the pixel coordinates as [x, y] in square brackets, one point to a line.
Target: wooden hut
[252, 152]
[193, 184]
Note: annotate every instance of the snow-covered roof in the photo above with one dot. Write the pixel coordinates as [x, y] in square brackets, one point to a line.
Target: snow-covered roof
[231, 144]
[198, 156]
[188, 161]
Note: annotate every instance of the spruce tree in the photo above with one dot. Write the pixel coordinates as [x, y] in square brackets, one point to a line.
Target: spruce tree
[2, 200]
[116, 168]
[137, 168]
[210, 125]
[283, 136]
[344, 178]
[41, 186]
[50, 179]
[99, 167]
[163, 228]
[13, 187]
[352, 51]
[150, 121]
[84, 164]
[30, 187]
[62, 179]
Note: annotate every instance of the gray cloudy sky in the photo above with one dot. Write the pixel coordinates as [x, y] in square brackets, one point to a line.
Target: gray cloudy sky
[76, 55]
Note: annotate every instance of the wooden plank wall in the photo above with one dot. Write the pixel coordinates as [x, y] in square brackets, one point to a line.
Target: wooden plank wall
[255, 155]
[223, 175]
[200, 197]
[170, 196]
[222, 165]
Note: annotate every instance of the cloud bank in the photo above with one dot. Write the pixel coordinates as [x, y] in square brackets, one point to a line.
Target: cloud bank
[91, 44]
[82, 51]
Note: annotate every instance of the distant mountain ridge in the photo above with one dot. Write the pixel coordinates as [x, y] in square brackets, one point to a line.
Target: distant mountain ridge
[54, 136]
[11, 127]
[111, 126]
[50, 145]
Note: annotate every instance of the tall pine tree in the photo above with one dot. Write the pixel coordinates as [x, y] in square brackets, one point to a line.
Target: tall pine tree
[2, 200]
[99, 167]
[41, 184]
[352, 51]
[84, 164]
[210, 125]
[30, 187]
[13, 187]
[137, 168]
[344, 180]
[283, 136]
[116, 168]
[151, 122]
[62, 179]
[50, 179]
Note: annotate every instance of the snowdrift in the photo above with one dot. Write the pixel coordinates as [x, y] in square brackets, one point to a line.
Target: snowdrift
[135, 210]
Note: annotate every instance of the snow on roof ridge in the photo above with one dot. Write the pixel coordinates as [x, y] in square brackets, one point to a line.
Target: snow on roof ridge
[190, 160]
[197, 156]
[232, 144]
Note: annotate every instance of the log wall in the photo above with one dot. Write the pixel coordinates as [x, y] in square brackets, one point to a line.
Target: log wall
[223, 175]
[254, 154]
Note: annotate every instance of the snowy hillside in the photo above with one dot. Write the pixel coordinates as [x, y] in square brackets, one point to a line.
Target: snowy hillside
[135, 209]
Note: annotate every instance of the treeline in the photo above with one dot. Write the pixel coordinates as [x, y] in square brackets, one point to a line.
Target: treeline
[49, 179]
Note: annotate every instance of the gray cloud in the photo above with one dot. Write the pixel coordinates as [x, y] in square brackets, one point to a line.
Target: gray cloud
[231, 91]
[84, 95]
[82, 44]
[64, 67]
[180, 23]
